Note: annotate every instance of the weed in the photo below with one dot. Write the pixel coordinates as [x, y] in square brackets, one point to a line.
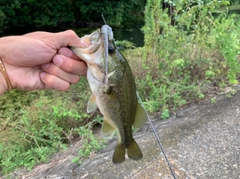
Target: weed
[213, 100]
[40, 126]
[123, 45]
[90, 143]
[181, 61]
[165, 114]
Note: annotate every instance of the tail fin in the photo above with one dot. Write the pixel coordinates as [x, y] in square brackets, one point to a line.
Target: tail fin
[119, 154]
[134, 152]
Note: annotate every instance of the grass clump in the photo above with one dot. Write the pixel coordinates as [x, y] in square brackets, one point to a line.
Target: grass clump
[35, 125]
[183, 62]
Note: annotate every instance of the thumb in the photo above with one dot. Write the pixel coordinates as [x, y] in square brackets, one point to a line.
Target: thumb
[67, 38]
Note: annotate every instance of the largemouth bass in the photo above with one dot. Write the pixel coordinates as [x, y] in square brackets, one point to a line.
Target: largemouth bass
[113, 92]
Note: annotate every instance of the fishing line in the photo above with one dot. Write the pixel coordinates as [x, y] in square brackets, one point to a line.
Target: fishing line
[158, 140]
[104, 20]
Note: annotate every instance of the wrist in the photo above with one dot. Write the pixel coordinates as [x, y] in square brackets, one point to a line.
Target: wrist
[3, 84]
[6, 83]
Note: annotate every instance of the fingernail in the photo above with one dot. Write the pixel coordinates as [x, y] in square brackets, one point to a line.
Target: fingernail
[58, 60]
[42, 74]
[45, 66]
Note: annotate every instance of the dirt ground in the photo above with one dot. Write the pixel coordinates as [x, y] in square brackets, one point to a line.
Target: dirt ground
[201, 141]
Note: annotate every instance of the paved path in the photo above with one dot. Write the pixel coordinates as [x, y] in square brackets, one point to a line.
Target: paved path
[202, 142]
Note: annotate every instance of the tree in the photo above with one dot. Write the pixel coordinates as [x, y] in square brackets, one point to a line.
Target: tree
[28, 15]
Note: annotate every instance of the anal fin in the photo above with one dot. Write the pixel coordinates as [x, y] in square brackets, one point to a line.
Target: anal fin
[107, 130]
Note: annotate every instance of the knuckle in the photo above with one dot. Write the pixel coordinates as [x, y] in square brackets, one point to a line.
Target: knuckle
[52, 69]
[64, 87]
[75, 79]
[55, 83]
[69, 66]
[71, 33]
[48, 80]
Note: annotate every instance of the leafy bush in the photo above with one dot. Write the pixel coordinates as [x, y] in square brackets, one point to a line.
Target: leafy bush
[41, 123]
[183, 61]
[90, 143]
[61, 14]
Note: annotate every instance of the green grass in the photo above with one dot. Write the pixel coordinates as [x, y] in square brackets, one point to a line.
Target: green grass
[35, 125]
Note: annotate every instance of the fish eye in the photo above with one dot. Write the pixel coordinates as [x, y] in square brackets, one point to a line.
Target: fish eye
[111, 49]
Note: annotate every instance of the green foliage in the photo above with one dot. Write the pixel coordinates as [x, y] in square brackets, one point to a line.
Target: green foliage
[34, 125]
[2, 19]
[181, 61]
[124, 44]
[115, 12]
[228, 41]
[53, 13]
[17, 156]
[43, 14]
[11, 103]
[90, 143]
[165, 114]
[29, 15]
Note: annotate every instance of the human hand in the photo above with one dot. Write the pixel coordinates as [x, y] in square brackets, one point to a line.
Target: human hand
[41, 60]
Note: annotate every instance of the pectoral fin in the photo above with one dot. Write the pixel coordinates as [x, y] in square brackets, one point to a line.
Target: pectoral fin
[140, 117]
[107, 130]
[92, 105]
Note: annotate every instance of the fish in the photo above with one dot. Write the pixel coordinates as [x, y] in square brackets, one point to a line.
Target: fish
[113, 92]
